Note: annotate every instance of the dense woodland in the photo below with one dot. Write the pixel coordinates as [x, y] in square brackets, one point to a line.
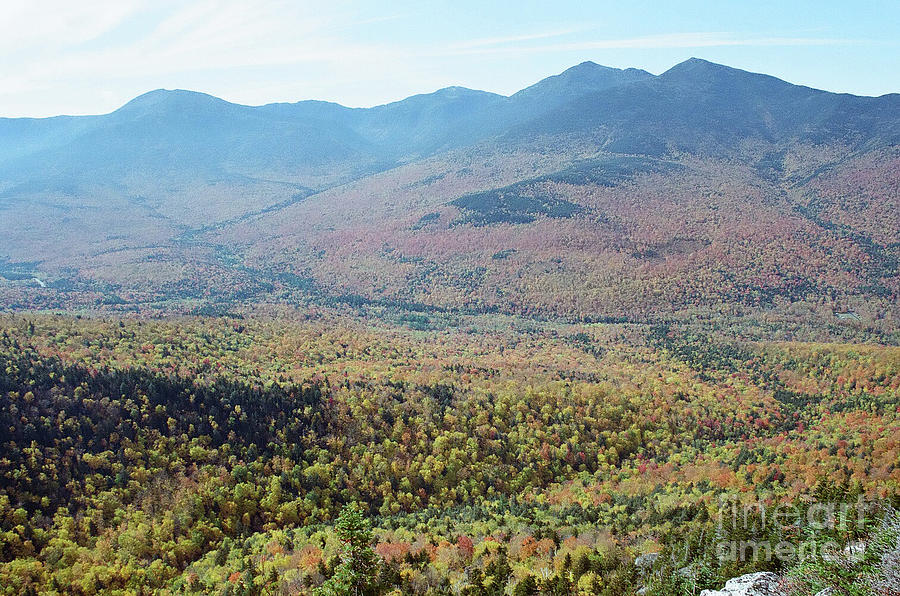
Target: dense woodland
[460, 344]
[260, 455]
[529, 233]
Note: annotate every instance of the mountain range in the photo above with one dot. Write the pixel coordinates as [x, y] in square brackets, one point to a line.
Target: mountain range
[596, 193]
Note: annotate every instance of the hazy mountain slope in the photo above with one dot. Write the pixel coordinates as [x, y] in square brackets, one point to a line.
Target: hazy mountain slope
[188, 135]
[698, 106]
[644, 238]
[188, 161]
[184, 135]
[423, 124]
[24, 136]
[594, 193]
[583, 79]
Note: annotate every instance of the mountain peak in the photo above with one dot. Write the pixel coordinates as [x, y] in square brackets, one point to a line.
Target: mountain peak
[586, 77]
[457, 91]
[699, 65]
[589, 65]
[170, 99]
[699, 73]
[589, 69]
[446, 95]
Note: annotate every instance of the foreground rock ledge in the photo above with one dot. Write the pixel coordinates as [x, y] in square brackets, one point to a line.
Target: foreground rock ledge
[753, 584]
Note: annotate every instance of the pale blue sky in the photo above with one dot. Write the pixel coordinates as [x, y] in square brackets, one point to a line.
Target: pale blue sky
[63, 56]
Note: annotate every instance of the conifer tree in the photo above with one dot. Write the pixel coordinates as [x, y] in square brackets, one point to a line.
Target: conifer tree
[357, 570]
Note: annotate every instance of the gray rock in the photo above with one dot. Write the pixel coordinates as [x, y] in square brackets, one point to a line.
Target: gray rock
[646, 561]
[852, 553]
[855, 551]
[887, 579]
[754, 584]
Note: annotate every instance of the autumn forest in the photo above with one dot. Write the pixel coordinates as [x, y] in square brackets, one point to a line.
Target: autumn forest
[615, 334]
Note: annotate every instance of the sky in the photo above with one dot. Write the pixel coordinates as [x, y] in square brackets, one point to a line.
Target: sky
[91, 57]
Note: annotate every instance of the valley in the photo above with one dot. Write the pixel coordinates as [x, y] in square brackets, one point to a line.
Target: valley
[764, 212]
[463, 343]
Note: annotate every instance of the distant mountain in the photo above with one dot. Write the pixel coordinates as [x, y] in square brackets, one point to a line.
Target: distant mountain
[184, 135]
[583, 79]
[702, 106]
[597, 192]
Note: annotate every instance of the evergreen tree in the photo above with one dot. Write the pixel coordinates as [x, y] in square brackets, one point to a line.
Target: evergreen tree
[357, 570]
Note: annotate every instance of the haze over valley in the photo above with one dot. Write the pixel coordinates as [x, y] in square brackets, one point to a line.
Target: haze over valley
[621, 332]
[594, 194]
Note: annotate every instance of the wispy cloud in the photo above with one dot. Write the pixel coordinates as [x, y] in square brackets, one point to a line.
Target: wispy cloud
[495, 41]
[666, 41]
[86, 57]
[44, 26]
[205, 36]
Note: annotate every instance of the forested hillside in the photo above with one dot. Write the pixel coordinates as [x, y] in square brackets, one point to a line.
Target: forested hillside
[596, 194]
[213, 455]
[463, 343]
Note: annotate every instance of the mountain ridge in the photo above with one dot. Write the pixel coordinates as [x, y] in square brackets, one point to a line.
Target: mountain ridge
[415, 127]
[587, 64]
[425, 123]
[571, 197]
